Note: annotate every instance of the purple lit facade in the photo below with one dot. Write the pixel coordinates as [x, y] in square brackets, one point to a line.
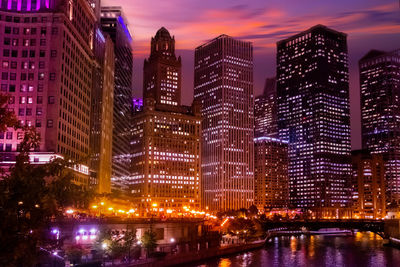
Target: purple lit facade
[46, 69]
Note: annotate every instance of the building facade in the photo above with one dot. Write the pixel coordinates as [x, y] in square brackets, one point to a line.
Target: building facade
[314, 117]
[380, 113]
[162, 70]
[46, 69]
[265, 111]
[223, 85]
[114, 24]
[165, 138]
[165, 158]
[368, 185]
[271, 177]
[101, 122]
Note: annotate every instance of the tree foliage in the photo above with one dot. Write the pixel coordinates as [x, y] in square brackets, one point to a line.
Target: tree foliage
[149, 241]
[117, 246]
[32, 195]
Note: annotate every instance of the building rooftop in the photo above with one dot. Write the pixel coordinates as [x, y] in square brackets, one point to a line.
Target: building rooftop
[314, 28]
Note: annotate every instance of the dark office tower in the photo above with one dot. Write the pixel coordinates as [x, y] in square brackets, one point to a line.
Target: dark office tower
[271, 180]
[368, 185]
[223, 85]
[380, 112]
[265, 111]
[101, 116]
[314, 116]
[162, 70]
[113, 23]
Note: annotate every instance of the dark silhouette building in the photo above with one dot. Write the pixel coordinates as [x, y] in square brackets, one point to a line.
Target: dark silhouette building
[271, 179]
[265, 111]
[314, 117]
[162, 70]
[380, 112]
[223, 85]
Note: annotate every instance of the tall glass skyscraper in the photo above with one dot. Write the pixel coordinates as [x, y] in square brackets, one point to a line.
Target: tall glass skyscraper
[114, 24]
[314, 116]
[223, 85]
[380, 113]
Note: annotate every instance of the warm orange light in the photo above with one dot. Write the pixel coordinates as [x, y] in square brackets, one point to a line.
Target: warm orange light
[94, 206]
[224, 222]
[102, 203]
[154, 205]
[110, 208]
[169, 211]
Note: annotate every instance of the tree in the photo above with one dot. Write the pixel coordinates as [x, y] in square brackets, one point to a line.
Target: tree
[32, 196]
[242, 227]
[116, 246]
[149, 241]
[253, 211]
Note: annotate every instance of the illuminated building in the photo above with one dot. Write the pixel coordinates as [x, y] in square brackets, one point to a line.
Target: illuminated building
[265, 111]
[368, 186]
[271, 181]
[314, 117]
[162, 70]
[165, 154]
[46, 67]
[114, 24]
[380, 113]
[102, 112]
[223, 85]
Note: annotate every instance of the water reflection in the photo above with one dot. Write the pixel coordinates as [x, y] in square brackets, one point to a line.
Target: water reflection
[362, 249]
[225, 263]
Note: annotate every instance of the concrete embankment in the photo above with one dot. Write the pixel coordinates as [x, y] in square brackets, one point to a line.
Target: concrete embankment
[182, 259]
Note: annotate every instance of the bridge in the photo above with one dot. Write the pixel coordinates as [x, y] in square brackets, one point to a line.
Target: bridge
[375, 226]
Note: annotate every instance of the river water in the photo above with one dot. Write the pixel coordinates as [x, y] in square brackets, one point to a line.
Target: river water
[360, 250]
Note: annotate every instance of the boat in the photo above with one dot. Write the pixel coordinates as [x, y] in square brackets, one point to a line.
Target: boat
[332, 232]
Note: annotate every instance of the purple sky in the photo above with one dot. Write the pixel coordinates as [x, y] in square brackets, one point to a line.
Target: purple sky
[370, 24]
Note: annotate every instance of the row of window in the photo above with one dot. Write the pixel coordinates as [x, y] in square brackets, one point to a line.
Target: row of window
[27, 19]
[24, 64]
[27, 53]
[26, 76]
[32, 31]
[24, 88]
[29, 100]
[25, 42]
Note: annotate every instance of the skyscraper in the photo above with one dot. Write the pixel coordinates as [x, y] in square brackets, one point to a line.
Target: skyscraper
[314, 116]
[162, 70]
[380, 112]
[271, 179]
[223, 85]
[46, 68]
[265, 111]
[101, 116]
[165, 139]
[114, 24]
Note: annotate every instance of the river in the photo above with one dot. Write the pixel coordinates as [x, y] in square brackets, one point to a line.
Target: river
[360, 250]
